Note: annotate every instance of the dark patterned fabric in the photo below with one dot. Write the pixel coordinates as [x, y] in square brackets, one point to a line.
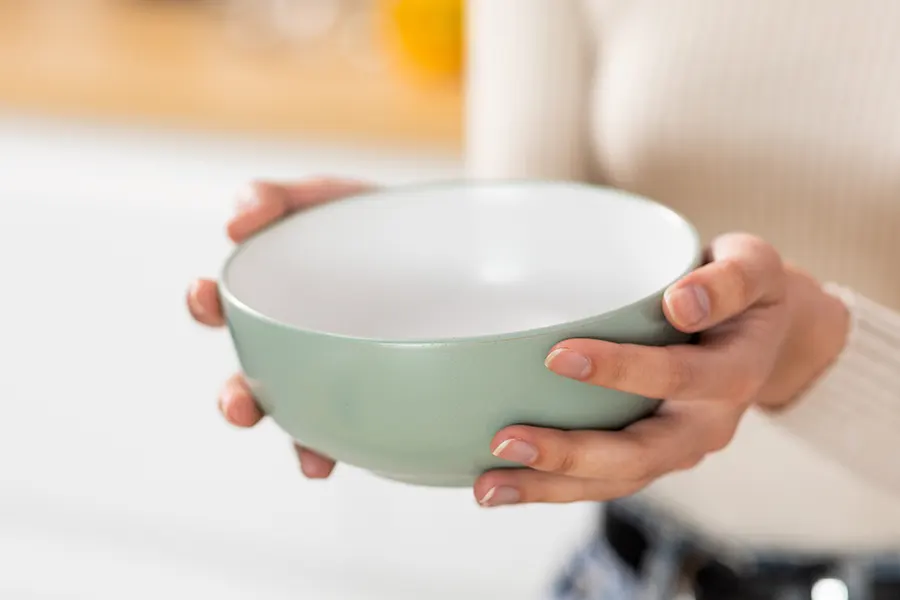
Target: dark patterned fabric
[643, 555]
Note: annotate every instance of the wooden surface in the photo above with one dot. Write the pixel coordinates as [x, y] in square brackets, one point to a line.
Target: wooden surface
[180, 64]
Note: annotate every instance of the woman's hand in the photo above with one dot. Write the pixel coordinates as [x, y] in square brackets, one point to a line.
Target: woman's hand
[261, 205]
[767, 332]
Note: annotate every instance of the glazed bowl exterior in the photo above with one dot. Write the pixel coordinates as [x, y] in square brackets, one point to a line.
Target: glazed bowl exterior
[422, 405]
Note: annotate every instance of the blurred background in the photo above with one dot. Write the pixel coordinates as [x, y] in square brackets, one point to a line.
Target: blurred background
[126, 128]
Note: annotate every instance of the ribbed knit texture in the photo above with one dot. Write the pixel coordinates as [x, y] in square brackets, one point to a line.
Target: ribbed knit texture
[852, 414]
[779, 118]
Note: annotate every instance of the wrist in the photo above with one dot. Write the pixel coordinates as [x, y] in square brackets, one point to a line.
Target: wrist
[820, 325]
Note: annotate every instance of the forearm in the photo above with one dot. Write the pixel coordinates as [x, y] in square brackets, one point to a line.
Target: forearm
[820, 328]
[851, 412]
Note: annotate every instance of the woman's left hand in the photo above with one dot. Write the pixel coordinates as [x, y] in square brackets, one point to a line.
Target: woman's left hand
[767, 332]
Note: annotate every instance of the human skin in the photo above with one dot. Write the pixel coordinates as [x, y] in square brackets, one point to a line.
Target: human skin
[766, 332]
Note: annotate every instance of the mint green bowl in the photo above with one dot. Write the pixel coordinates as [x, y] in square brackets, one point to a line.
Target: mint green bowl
[398, 331]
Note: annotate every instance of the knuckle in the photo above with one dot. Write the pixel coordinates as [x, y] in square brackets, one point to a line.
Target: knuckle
[740, 282]
[772, 267]
[565, 463]
[678, 374]
[769, 255]
[752, 244]
[779, 280]
[756, 244]
[567, 453]
[643, 464]
[618, 365]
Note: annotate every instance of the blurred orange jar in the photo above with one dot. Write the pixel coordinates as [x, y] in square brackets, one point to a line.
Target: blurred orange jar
[426, 36]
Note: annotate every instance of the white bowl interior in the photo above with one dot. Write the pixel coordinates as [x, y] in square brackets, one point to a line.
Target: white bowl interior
[467, 260]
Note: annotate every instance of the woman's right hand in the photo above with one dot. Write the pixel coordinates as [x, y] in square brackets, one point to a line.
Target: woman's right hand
[261, 205]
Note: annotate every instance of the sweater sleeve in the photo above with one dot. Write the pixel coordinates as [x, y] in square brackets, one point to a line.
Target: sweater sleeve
[528, 90]
[852, 414]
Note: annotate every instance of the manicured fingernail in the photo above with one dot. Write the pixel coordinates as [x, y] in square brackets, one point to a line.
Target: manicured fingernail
[500, 496]
[225, 403]
[688, 305]
[231, 407]
[313, 468]
[516, 451]
[194, 300]
[247, 199]
[568, 363]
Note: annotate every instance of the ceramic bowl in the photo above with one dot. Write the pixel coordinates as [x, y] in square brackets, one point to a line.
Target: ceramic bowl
[399, 330]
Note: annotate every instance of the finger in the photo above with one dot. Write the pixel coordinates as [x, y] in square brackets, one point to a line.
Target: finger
[744, 271]
[263, 203]
[236, 403]
[203, 303]
[506, 487]
[670, 372]
[315, 191]
[731, 368]
[313, 465]
[644, 451]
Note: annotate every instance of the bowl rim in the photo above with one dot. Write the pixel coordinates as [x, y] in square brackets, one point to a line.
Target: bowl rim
[231, 300]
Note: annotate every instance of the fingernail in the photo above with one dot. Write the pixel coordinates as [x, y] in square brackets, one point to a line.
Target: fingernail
[313, 469]
[516, 451]
[500, 496]
[225, 405]
[568, 363]
[247, 199]
[688, 305]
[194, 300]
[231, 407]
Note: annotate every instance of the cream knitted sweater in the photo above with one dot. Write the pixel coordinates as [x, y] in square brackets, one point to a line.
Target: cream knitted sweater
[780, 118]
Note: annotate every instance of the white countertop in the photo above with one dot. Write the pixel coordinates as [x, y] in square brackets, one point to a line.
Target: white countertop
[118, 479]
